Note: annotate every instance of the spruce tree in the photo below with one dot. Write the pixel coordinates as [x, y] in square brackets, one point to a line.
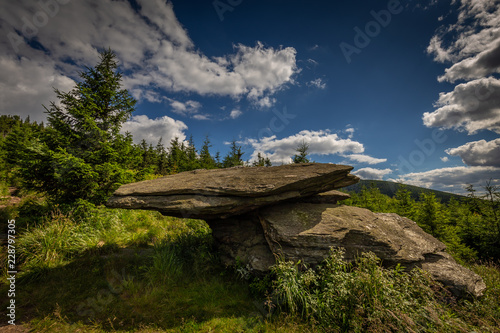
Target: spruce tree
[301, 157]
[233, 158]
[205, 159]
[82, 154]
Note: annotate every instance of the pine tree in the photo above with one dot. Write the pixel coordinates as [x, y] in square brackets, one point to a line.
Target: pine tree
[161, 155]
[302, 153]
[205, 159]
[82, 154]
[262, 161]
[233, 158]
[404, 202]
[191, 156]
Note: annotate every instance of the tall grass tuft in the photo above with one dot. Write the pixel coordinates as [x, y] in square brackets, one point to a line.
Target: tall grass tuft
[181, 254]
[55, 242]
[361, 297]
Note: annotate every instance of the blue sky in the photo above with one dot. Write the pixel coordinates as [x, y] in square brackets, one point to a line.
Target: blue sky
[402, 90]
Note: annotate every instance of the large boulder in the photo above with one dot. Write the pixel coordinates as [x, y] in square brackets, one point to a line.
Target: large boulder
[209, 194]
[307, 231]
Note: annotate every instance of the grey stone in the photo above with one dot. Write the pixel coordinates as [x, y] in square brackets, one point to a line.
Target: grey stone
[305, 232]
[220, 193]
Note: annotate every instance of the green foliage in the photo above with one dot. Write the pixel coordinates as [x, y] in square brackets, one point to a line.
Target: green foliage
[405, 204]
[363, 297]
[179, 255]
[468, 226]
[81, 155]
[233, 158]
[206, 160]
[262, 161]
[301, 157]
[390, 188]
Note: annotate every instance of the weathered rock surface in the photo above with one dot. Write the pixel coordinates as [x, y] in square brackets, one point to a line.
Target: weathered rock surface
[314, 228]
[307, 231]
[208, 194]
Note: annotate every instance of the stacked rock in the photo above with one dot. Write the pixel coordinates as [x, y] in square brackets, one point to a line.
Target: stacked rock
[292, 210]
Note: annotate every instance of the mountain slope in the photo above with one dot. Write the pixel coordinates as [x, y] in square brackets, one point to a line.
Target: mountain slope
[390, 188]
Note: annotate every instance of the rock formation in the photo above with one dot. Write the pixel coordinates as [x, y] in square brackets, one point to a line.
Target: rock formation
[207, 194]
[293, 210]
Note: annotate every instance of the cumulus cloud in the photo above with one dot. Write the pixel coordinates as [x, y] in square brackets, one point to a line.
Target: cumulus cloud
[372, 174]
[155, 53]
[471, 106]
[472, 46]
[235, 114]
[444, 159]
[453, 179]
[184, 108]
[27, 84]
[360, 158]
[483, 64]
[143, 128]
[478, 153]
[472, 42]
[320, 143]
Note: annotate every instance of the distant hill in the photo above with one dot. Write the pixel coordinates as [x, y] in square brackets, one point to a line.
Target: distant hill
[390, 188]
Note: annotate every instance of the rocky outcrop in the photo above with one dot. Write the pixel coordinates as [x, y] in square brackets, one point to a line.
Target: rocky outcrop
[207, 194]
[258, 213]
[307, 231]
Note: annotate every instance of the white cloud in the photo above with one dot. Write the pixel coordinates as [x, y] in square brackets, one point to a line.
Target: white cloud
[483, 64]
[472, 46]
[202, 117]
[320, 142]
[453, 179]
[143, 128]
[235, 114]
[360, 158]
[154, 50]
[471, 106]
[371, 173]
[475, 33]
[444, 159]
[188, 108]
[262, 103]
[349, 130]
[478, 153]
[26, 84]
[318, 83]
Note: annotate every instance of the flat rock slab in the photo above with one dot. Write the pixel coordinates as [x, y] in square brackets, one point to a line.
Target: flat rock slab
[219, 193]
[304, 231]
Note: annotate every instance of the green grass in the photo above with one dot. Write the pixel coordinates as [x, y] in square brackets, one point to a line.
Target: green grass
[126, 271]
[365, 297]
[100, 270]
